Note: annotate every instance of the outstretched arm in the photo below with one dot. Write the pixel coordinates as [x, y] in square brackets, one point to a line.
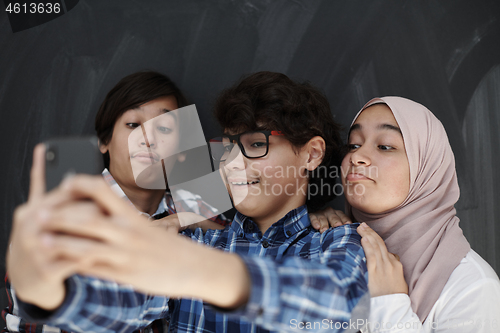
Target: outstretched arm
[278, 291]
[117, 245]
[109, 241]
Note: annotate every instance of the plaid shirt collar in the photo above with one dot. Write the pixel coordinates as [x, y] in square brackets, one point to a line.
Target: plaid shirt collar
[294, 221]
[166, 204]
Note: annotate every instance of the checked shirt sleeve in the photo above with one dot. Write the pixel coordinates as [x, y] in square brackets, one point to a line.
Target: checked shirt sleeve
[319, 294]
[14, 323]
[93, 305]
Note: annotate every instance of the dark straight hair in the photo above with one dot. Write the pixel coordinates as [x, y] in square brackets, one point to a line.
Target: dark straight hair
[129, 93]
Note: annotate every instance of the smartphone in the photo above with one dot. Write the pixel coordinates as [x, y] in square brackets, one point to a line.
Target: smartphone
[71, 155]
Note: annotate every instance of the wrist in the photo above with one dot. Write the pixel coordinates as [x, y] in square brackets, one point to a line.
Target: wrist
[48, 298]
[222, 279]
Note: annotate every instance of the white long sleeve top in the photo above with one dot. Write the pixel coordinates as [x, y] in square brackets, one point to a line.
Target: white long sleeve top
[469, 302]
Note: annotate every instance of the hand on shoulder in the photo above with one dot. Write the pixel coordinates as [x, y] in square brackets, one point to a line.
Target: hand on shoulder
[327, 218]
[385, 271]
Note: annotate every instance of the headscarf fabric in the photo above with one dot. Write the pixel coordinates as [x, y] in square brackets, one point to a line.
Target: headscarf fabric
[423, 230]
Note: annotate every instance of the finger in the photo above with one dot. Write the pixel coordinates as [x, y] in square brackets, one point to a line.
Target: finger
[395, 256]
[96, 189]
[191, 219]
[372, 250]
[100, 270]
[333, 219]
[373, 259]
[62, 268]
[105, 271]
[37, 175]
[343, 217]
[32, 215]
[324, 225]
[84, 219]
[171, 223]
[328, 211]
[83, 250]
[366, 232]
[314, 221]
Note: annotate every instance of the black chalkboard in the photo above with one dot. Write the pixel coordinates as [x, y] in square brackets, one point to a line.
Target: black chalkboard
[443, 54]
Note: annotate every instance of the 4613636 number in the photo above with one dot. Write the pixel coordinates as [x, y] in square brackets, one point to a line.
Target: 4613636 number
[33, 8]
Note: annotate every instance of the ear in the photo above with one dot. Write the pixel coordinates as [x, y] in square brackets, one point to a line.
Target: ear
[181, 157]
[315, 149]
[102, 147]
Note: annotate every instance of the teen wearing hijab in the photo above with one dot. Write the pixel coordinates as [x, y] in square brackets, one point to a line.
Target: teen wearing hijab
[399, 177]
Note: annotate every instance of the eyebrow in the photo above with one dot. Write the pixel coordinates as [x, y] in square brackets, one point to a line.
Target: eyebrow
[173, 114]
[357, 127]
[164, 110]
[140, 109]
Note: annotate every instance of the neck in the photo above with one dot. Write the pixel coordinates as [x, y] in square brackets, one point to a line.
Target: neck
[144, 200]
[264, 222]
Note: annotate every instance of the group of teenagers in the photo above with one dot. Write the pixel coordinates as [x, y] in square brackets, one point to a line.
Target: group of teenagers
[102, 254]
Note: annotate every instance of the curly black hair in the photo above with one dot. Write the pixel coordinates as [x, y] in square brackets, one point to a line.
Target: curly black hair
[272, 101]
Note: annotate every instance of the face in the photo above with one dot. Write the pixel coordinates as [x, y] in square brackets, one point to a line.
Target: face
[267, 188]
[162, 135]
[375, 171]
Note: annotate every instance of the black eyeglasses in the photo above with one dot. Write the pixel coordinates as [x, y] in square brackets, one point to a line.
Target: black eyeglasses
[252, 144]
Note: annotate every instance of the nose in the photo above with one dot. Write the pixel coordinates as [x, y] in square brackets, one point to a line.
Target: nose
[235, 159]
[148, 137]
[360, 157]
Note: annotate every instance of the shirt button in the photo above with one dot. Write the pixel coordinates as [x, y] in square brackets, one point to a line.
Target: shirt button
[250, 227]
[241, 235]
[289, 233]
[265, 244]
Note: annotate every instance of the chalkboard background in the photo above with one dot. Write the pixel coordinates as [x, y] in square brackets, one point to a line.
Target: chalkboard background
[443, 54]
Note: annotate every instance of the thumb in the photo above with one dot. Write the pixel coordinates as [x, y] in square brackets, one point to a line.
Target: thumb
[37, 175]
[396, 256]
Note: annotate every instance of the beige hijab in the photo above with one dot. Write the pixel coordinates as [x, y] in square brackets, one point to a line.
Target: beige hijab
[424, 229]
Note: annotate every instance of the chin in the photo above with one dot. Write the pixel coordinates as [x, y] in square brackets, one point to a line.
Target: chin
[151, 178]
[246, 207]
[368, 209]
[358, 204]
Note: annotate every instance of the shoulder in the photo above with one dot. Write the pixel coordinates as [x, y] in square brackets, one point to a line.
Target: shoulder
[470, 296]
[217, 238]
[186, 201]
[339, 242]
[472, 270]
[344, 235]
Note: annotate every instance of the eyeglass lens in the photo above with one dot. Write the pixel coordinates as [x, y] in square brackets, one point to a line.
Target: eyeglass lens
[253, 144]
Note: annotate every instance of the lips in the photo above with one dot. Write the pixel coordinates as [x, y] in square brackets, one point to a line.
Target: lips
[146, 157]
[356, 177]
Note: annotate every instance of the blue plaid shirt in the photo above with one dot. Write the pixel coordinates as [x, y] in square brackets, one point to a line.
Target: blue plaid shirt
[300, 278]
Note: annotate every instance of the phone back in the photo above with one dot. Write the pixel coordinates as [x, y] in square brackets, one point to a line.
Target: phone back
[73, 155]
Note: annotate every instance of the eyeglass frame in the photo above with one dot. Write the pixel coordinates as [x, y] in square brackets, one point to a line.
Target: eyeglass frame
[236, 138]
